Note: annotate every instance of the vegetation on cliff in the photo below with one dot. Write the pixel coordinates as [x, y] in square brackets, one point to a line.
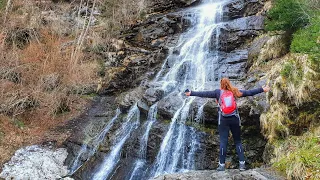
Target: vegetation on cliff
[292, 122]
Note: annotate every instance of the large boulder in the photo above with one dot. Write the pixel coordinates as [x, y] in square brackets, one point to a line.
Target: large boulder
[127, 99]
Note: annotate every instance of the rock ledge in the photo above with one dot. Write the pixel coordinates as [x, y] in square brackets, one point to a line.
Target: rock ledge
[232, 174]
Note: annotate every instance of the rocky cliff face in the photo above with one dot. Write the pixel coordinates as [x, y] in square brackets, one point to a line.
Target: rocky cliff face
[139, 53]
[134, 59]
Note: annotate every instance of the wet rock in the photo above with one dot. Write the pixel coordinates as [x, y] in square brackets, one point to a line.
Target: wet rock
[143, 107]
[35, 162]
[242, 8]
[169, 105]
[234, 57]
[157, 30]
[255, 48]
[127, 99]
[226, 175]
[165, 5]
[246, 23]
[87, 126]
[236, 33]
[252, 79]
[210, 112]
[232, 71]
[137, 65]
[153, 95]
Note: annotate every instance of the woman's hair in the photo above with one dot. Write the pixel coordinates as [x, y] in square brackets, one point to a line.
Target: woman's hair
[226, 85]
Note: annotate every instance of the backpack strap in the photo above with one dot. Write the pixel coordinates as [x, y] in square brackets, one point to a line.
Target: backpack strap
[218, 102]
[219, 108]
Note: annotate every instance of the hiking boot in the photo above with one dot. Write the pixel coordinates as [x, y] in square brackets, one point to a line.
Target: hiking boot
[221, 167]
[242, 165]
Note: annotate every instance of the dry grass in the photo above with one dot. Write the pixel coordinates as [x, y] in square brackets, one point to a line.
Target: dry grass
[44, 68]
[295, 89]
[274, 123]
[41, 85]
[294, 85]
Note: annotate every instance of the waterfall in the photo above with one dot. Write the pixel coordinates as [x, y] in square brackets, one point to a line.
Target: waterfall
[132, 121]
[198, 62]
[192, 65]
[152, 117]
[95, 143]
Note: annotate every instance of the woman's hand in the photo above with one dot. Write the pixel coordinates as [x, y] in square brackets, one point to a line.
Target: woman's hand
[187, 92]
[266, 88]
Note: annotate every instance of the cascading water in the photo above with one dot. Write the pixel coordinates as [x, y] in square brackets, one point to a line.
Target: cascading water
[95, 142]
[194, 68]
[132, 121]
[198, 62]
[136, 173]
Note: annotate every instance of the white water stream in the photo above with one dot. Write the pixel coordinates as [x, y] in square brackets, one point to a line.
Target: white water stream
[198, 62]
[192, 67]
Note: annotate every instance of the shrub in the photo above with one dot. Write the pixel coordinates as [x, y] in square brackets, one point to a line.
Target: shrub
[287, 15]
[286, 70]
[306, 40]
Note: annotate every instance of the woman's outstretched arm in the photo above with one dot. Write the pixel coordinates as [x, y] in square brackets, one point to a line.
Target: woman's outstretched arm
[253, 92]
[208, 94]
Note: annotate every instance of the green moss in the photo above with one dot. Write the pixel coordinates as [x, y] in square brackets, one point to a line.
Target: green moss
[167, 121]
[306, 39]
[292, 71]
[315, 61]
[286, 70]
[89, 96]
[202, 127]
[300, 154]
[309, 117]
[1, 136]
[3, 4]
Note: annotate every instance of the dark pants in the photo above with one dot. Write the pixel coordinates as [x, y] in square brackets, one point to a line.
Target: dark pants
[230, 123]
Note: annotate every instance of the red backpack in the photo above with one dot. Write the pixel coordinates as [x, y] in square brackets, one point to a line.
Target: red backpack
[227, 103]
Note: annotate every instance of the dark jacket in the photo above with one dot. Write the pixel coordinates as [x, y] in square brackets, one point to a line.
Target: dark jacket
[216, 94]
